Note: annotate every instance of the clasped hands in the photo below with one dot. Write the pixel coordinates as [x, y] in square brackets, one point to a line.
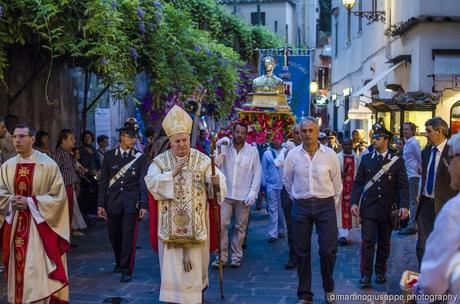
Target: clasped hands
[19, 202]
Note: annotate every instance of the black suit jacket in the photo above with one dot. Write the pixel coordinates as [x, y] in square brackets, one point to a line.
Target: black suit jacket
[442, 190]
[391, 188]
[129, 192]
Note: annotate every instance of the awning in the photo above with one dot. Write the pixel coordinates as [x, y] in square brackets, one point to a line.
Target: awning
[361, 113]
[374, 81]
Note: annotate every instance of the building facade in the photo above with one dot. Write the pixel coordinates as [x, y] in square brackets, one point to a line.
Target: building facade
[402, 65]
[294, 21]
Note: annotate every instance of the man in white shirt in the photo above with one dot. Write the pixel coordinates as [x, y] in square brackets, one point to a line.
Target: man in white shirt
[412, 155]
[312, 178]
[444, 242]
[286, 201]
[240, 164]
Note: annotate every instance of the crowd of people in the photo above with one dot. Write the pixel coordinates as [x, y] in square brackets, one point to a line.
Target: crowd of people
[313, 179]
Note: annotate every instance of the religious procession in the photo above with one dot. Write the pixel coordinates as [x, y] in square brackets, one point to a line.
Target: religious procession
[182, 152]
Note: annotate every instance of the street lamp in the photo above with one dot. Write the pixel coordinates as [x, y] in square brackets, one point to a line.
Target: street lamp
[348, 4]
[372, 15]
[313, 87]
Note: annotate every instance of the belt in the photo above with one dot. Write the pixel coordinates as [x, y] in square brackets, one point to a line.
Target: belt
[315, 199]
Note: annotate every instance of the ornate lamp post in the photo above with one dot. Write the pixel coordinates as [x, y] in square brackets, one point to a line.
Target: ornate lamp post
[348, 4]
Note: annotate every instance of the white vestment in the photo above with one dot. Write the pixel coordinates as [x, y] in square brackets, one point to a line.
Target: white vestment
[177, 285]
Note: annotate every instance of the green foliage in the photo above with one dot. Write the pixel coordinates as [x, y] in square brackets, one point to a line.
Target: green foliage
[181, 45]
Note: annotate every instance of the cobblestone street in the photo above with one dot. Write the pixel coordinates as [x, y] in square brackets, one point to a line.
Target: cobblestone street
[261, 278]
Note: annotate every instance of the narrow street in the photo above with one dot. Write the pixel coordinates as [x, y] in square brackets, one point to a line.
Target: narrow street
[260, 279]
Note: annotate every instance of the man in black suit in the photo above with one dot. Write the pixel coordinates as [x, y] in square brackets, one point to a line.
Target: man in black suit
[381, 179]
[123, 199]
[435, 190]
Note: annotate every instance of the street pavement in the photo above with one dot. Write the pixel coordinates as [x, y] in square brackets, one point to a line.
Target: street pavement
[260, 279]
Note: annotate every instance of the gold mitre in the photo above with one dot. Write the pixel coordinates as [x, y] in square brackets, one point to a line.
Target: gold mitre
[177, 121]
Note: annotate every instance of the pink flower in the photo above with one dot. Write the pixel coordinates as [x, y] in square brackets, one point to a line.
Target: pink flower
[250, 137]
[261, 137]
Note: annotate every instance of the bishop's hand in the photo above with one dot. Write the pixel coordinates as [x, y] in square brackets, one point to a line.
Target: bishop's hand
[20, 202]
[186, 260]
[180, 164]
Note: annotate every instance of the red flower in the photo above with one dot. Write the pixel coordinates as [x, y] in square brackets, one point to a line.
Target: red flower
[261, 137]
[251, 137]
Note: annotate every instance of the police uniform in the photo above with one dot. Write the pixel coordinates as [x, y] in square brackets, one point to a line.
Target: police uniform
[375, 206]
[122, 202]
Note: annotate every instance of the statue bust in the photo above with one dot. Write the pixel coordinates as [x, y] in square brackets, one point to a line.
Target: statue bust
[268, 83]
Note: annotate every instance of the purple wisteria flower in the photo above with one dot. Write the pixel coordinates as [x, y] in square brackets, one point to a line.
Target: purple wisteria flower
[2, 10]
[197, 49]
[105, 61]
[158, 17]
[114, 4]
[134, 53]
[140, 12]
[157, 4]
[142, 27]
[208, 52]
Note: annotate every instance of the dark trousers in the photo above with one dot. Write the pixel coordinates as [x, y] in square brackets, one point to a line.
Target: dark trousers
[425, 222]
[373, 231]
[286, 204]
[123, 236]
[305, 213]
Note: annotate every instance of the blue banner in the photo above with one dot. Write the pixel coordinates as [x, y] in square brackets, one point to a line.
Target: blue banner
[295, 72]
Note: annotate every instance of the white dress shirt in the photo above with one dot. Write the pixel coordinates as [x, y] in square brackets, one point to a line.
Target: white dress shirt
[442, 244]
[412, 155]
[436, 165]
[242, 170]
[319, 177]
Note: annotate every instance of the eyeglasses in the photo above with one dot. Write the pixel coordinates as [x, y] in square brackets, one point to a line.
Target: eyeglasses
[448, 159]
[20, 136]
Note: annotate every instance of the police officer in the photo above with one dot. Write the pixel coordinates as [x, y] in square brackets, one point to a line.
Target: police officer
[381, 181]
[123, 199]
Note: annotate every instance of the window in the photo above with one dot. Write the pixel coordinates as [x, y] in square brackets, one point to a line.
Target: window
[336, 48]
[255, 19]
[360, 23]
[276, 26]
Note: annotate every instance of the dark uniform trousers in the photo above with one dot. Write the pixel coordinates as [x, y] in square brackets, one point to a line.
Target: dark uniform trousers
[375, 231]
[305, 213]
[123, 235]
[286, 204]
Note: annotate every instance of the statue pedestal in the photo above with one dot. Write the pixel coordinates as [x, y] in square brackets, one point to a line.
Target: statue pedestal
[268, 101]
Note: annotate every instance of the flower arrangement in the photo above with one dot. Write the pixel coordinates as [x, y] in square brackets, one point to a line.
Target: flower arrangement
[267, 127]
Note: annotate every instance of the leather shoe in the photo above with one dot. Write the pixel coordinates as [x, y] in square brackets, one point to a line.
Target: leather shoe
[272, 240]
[408, 231]
[343, 241]
[365, 282]
[329, 297]
[125, 278]
[116, 269]
[380, 279]
[290, 264]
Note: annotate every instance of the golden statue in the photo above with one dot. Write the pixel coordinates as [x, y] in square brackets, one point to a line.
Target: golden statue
[268, 90]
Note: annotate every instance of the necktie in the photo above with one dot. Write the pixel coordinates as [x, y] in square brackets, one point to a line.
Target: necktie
[125, 154]
[430, 180]
[380, 158]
